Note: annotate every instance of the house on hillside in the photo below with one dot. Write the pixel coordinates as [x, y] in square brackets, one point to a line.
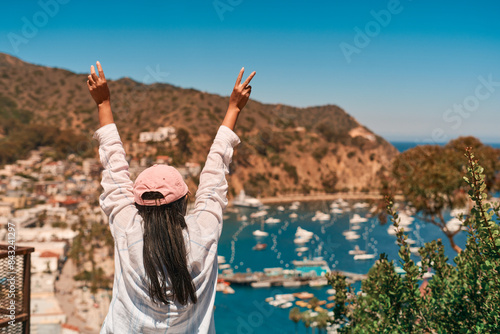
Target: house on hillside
[161, 134]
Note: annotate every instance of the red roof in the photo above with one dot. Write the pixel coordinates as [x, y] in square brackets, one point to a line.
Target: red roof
[49, 254]
[68, 326]
[69, 202]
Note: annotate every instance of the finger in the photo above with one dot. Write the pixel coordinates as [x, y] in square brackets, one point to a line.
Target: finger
[99, 69]
[89, 85]
[238, 80]
[91, 80]
[250, 77]
[93, 74]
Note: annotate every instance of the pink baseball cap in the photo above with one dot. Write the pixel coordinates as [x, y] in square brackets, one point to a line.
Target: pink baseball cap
[161, 178]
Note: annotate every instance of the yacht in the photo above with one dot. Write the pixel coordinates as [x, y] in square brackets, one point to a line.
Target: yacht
[258, 214]
[271, 220]
[356, 251]
[321, 216]
[364, 256]
[259, 233]
[246, 201]
[357, 219]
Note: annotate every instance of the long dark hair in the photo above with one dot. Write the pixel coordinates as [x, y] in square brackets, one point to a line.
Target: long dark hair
[164, 250]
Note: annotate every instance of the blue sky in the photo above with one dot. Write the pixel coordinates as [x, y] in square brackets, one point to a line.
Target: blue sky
[425, 71]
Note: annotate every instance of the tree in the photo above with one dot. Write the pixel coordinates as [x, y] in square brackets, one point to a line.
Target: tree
[183, 145]
[314, 302]
[306, 319]
[295, 316]
[430, 177]
[322, 321]
[460, 298]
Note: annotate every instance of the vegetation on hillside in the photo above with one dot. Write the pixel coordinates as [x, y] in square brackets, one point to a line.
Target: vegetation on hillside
[290, 150]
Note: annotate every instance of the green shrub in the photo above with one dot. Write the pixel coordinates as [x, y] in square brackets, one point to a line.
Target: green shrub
[460, 298]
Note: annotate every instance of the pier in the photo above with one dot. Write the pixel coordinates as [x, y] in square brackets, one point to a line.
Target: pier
[262, 279]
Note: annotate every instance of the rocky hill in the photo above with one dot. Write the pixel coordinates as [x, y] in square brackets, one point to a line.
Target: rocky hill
[284, 149]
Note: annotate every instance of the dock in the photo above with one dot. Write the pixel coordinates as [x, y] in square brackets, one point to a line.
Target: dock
[261, 279]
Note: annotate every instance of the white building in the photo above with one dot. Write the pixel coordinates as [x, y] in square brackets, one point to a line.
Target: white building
[161, 134]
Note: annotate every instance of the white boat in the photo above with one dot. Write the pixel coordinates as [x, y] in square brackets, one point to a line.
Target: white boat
[301, 241]
[294, 206]
[221, 259]
[272, 220]
[392, 230]
[246, 201]
[356, 251]
[303, 233]
[318, 282]
[356, 227]
[454, 224]
[415, 250]
[360, 205]
[301, 249]
[281, 208]
[228, 290]
[243, 218]
[291, 284]
[427, 275]
[364, 257]
[258, 214]
[336, 210]
[285, 296]
[405, 220]
[260, 284]
[350, 235]
[293, 215]
[321, 216]
[286, 305]
[224, 266]
[259, 233]
[331, 291]
[357, 219]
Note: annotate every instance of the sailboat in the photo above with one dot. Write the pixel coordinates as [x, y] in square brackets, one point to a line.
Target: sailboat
[364, 255]
[261, 232]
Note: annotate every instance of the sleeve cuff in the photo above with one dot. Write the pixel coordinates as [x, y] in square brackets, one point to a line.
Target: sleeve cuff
[107, 133]
[228, 135]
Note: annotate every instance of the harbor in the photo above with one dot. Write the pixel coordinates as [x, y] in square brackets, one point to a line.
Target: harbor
[267, 281]
[272, 277]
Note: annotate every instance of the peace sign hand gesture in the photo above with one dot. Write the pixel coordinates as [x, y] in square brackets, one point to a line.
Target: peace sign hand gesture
[241, 92]
[238, 100]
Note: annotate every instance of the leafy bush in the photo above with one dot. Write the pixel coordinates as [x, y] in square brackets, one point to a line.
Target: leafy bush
[291, 170]
[460, 298]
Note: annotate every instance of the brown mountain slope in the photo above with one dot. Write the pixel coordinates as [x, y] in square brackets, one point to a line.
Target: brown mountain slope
[284, 149]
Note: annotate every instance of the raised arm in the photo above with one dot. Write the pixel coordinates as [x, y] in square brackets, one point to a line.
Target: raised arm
[211, 199]
[238, 100]
[117, 200]
[98, 88]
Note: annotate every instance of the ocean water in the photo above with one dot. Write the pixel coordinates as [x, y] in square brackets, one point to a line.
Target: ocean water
[402, 146]
[246, 311]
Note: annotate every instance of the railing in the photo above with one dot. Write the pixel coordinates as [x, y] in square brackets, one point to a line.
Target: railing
[15, 280]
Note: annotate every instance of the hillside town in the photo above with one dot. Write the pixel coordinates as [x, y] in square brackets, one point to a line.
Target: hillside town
[52, 203]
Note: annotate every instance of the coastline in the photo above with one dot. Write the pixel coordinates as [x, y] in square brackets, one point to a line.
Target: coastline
[323, 197]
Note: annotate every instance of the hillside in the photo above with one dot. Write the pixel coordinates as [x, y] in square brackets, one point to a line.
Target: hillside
[284, 149]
